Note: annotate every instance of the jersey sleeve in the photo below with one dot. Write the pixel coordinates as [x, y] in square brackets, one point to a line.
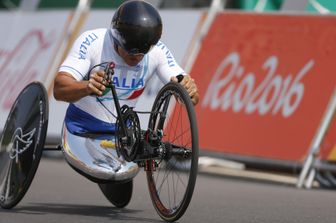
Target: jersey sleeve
[77, 62]
[167, 66]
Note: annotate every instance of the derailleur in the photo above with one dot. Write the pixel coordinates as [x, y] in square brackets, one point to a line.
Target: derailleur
[151, 146]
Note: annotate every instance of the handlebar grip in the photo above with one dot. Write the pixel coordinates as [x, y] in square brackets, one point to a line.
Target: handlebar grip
[179, 78]
[109, 69]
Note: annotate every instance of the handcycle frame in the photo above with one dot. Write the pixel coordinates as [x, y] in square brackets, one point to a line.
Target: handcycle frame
[150, 145]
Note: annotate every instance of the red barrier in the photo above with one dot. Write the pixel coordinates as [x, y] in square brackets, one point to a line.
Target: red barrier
[265, 82]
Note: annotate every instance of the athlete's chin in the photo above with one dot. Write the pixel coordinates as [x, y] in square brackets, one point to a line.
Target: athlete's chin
[133, 62]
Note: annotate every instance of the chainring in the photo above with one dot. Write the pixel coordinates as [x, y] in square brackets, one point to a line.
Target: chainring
[128, 145]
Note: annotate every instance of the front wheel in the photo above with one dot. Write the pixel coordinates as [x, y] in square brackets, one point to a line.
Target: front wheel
[171, 183]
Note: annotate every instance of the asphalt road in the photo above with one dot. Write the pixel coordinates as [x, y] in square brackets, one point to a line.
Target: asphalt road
[59, 194]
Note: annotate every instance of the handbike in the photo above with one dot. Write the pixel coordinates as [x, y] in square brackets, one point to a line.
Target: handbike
[167, 150]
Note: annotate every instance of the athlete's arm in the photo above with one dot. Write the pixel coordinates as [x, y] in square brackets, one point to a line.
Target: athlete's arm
[168, 69]
[67, 88]
[70, 83]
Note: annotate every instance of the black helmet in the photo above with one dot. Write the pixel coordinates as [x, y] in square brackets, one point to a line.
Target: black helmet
[136, 26]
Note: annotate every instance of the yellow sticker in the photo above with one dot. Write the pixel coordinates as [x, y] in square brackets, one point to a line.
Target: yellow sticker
[107, 144]
[332, 154]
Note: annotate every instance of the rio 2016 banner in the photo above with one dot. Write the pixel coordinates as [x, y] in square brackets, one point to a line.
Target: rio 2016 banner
[265, 82]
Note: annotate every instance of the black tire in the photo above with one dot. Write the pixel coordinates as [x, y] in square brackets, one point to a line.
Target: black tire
[179, 128]
[21, 143]
[118, 193]
[326, 179]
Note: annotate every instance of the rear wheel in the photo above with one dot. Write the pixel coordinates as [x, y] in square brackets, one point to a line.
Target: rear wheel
[21, 143]
[118, 193]
[171, 183]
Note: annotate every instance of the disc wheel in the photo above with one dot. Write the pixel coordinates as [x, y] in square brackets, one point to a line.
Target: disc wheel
[171, 183]
[21, 143]
[118, 193]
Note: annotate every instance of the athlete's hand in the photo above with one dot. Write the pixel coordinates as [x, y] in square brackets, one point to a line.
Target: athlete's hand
[97, 83]
[189, 84]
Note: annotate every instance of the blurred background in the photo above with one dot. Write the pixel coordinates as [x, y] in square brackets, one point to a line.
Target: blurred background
[317, 6]
[265, 70]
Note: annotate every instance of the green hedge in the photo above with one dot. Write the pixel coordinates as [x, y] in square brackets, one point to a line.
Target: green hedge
[63, 4]
[316, 6]
[73, 3]
[251, 5]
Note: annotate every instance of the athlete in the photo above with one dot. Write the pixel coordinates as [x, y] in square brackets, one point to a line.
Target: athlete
[133, 44]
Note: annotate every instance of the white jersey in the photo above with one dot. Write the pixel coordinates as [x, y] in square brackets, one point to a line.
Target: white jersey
[96, 46]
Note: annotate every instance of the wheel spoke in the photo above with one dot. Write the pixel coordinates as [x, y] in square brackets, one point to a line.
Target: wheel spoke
[165, 178]
[180, 135]
[179, 177]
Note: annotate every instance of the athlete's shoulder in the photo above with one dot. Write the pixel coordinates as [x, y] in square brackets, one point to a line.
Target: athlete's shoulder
[90, 36]
[158, 51]
[162, 55]
[89, 39]
[160, 47]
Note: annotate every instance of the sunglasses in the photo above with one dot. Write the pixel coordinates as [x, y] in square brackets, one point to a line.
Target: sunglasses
[134, 51]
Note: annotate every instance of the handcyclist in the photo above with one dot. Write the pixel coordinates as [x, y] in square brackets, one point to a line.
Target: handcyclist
[133, 44]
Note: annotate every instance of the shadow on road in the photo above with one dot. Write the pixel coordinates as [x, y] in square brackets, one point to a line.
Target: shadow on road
[82, 210]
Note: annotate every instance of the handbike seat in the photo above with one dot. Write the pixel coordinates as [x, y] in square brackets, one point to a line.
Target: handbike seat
[94, 157]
